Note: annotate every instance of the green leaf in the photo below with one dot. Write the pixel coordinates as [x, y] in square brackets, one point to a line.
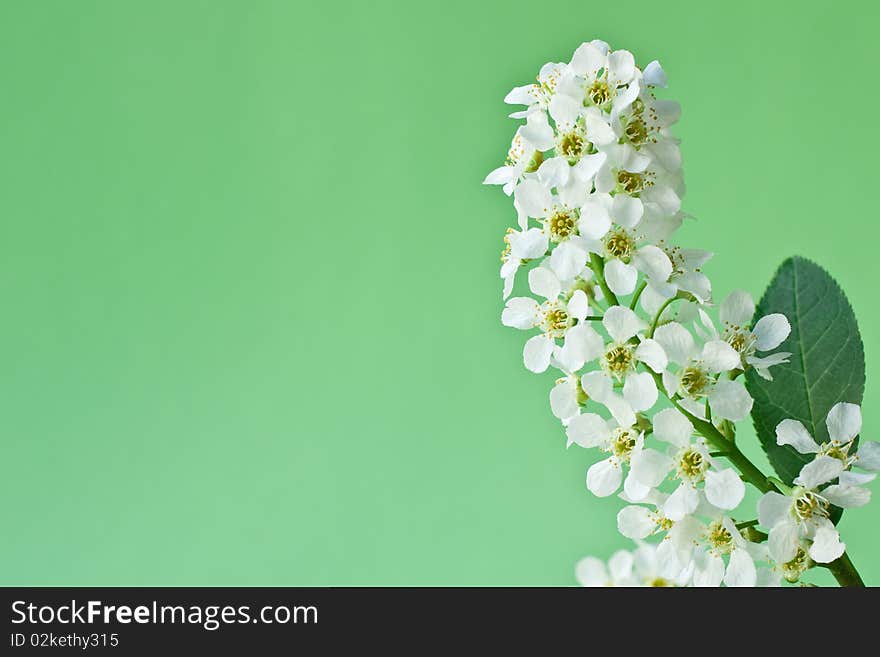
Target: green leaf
[827, 360]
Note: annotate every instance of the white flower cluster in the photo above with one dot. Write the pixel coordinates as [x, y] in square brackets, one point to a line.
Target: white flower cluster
[621, 311]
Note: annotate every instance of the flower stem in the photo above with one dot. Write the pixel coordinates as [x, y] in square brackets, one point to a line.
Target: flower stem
[635, 299]
[845, 572]
[597, 264]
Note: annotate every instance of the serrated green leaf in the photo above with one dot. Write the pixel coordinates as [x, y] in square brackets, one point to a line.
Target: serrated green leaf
[827, 360]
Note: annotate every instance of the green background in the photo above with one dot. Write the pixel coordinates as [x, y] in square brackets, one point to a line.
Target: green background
[250, 325]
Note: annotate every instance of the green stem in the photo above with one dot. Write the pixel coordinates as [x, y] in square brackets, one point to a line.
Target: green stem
[845, 572]
[657, 316]
[597, 264]
[637, 295]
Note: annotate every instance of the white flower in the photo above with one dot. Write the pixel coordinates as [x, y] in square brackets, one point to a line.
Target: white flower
[620, 442]
[768, 333]
[537, 95]
[844, 422]
[611, 227]
[620, 358]
[555, 317]
[592, 572]
[708, 544]
[803, 514]
[689, 461]
[686, 276]
[520, 247]
[697, 376]
[525, 155]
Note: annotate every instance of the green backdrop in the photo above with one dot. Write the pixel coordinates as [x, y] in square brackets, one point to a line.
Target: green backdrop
[251, 309]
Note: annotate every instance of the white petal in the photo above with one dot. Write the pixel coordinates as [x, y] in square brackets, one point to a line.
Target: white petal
[587, 59]
[869, 455]
[588, 166]
[634, 490]
[597, 385]
[681, 503]
[773, 508]
[792, 432]
[635, 522]
[582, 344]
[568, 259]
[536, 353]
[729, 400]
[771, 331]
[626, 210]
[741, 569]
[499, 176]
[640, 391]
[563, 400]
[591, 572]
[621, 66]
[650, 467]
[533, 198]
[603, 478]
[531, 243]
[653, 262]
[543, 282]
[783, 541]
[537, 131]
[850, 478]
[724, 489]
[598, 131]
[819, 471]
[620, 566]
[671, 426]
[676, 341]
[847, 497]
[844, 422]
[622, 323]
[587, 430]
[524, 95]
[737, 308]
[826, 545]
[651, 354]
[564, 108]
[718, 356]
[554, 172]
[654, 75]
[595, 219]
[578, 305]
[620, 410]
[520, 312]
[709, 571]
[621, 278]
[668, 111]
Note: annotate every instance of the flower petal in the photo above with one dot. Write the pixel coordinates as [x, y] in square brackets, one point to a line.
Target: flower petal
[651, 354]
[650, 466]
[773, 508]
[724, 489]
[587, 430]
[537, 352]
[635, 522]
[640, 391]
[533, 198]
[729, 400]
[621, 278]
[521, 313]
[844, 422]
[826, 545]
[676, 341]
[771, 331]
[543, 282]
[671, 426]
[718, 356]
[847, 497]
[741, 569]
[792, 432]
[783, 541]
[603, 478]
[819, 471]
[622, 323]
[737, 308]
